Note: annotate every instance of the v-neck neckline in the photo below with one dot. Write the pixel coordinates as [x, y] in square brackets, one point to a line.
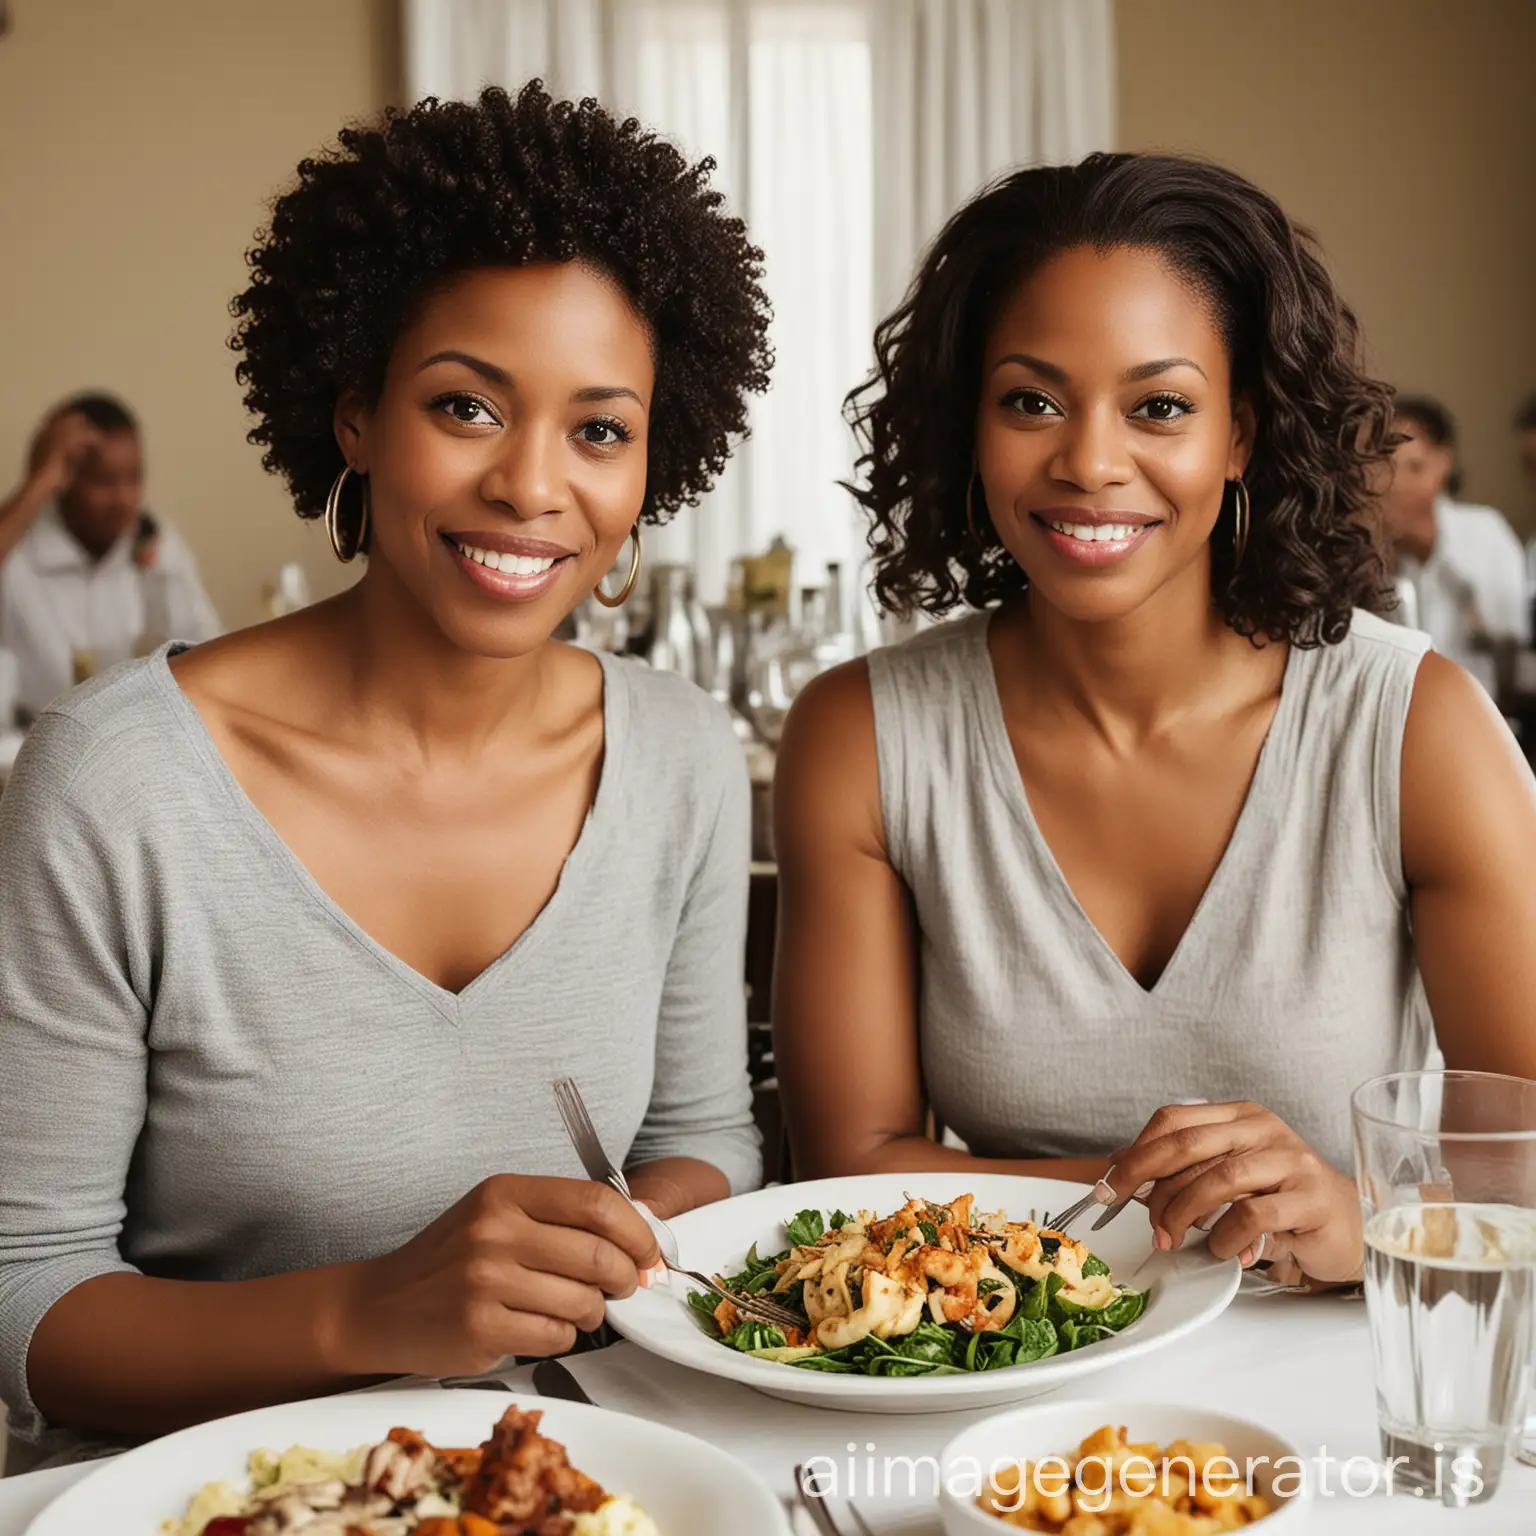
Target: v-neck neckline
[1256, 814]
[452, 1005]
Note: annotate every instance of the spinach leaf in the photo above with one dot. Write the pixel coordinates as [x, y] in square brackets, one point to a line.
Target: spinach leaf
[1037, 1304]
[838, 1219]
[930, 1233]
[1037, 1342]
[986, 1287]
[1023, 1340]
[930, 1342]
[750, 1276]
[805, 1228]
[703, 1305]
[894, 1365]
[828, 1364]
[1123, 1310]
[908, 1357]
[747, 1336]
[1049, 1247]
[1094, 1265]
[1078, 1335]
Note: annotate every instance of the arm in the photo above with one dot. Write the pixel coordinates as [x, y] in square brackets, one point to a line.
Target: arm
[88, 1341]
[1469, 848]
[698, 1143]
[72, 1034]
[55, 453]
[845, 972]
[1468, 831]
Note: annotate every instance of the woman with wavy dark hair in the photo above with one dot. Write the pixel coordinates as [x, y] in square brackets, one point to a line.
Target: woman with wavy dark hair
[301, 926]
[1134, 874]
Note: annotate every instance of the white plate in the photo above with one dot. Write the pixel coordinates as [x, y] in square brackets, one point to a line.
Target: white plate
[1187, 1289]
[1058, 1428]
[687, 1486]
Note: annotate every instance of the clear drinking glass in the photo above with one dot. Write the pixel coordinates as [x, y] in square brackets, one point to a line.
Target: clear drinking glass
[1446, 1164]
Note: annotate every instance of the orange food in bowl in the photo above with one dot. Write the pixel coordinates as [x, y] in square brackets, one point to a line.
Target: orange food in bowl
[1113, 1487]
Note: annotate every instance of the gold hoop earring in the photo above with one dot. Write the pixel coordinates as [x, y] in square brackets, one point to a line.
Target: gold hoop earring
[629, 581]
[333, 518]
[1242, 512]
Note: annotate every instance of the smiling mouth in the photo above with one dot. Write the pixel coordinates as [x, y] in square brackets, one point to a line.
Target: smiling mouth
[509, 564]
[1098, 533]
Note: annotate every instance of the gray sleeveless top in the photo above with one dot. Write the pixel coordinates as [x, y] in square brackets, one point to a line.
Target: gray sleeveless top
[1295, 981]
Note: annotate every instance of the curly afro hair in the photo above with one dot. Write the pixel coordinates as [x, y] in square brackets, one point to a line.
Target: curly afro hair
[1322, 424]
[400, 208]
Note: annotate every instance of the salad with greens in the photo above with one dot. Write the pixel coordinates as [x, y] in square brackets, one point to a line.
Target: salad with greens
[932, 1290]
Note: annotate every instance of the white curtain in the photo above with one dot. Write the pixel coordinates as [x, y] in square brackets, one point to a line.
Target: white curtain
[846, 131]
[967, 89]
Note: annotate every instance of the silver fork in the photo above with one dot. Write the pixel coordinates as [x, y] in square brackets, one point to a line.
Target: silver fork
[1067, 1217]
[812, 1498]
[762, 1309]
[598, 1165]
[602, 1169]
[584, 1137]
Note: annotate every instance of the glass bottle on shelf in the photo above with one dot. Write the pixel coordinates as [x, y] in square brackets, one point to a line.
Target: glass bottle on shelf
[673, 646]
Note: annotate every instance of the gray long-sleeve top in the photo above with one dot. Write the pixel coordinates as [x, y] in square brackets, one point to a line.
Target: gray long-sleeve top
[209, 1072]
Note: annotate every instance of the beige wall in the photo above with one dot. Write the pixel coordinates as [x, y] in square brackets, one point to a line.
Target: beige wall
[138, 144]
[1404, 133]
[142, 139]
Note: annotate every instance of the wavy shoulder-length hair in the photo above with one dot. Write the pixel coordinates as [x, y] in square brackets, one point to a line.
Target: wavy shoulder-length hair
[1322, 422]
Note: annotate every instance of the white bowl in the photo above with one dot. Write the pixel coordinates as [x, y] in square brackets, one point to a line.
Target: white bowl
[688, 1487]
[1186, 1290]
[1058, 1428]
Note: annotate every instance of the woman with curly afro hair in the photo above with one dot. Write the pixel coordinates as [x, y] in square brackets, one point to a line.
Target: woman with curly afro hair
[302, 926]
[1134, 874]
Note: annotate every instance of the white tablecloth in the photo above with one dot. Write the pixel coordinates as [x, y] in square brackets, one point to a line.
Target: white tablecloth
[1300, 1365]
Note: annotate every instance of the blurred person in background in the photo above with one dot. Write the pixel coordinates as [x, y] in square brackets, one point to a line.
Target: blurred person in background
[1465, 564]
[85, 571]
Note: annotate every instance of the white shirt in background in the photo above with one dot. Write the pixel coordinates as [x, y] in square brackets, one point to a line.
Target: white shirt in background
[1473, 581]
[56, 600]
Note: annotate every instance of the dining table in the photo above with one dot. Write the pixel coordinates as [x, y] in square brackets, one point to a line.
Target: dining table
[1299, 1365]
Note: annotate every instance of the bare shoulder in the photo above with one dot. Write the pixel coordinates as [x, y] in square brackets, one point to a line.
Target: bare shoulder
[827, 775]
[831, 727]
[1452, 724]
[263, 682]
[1466, 788]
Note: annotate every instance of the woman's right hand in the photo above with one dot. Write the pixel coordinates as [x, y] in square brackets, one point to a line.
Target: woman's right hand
[515, 1268]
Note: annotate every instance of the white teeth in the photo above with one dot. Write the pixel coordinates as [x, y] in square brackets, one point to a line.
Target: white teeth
[1097, 533]
[513, 565]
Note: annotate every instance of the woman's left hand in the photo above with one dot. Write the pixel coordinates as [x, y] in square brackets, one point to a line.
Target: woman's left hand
[1283, 1199]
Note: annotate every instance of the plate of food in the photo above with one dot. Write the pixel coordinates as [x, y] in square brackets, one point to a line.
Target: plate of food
[916, 1293]
[1120, 1469]
[420, 1463]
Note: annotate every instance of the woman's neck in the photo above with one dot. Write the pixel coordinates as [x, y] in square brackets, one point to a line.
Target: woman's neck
[1137, 676]
[398, 674]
